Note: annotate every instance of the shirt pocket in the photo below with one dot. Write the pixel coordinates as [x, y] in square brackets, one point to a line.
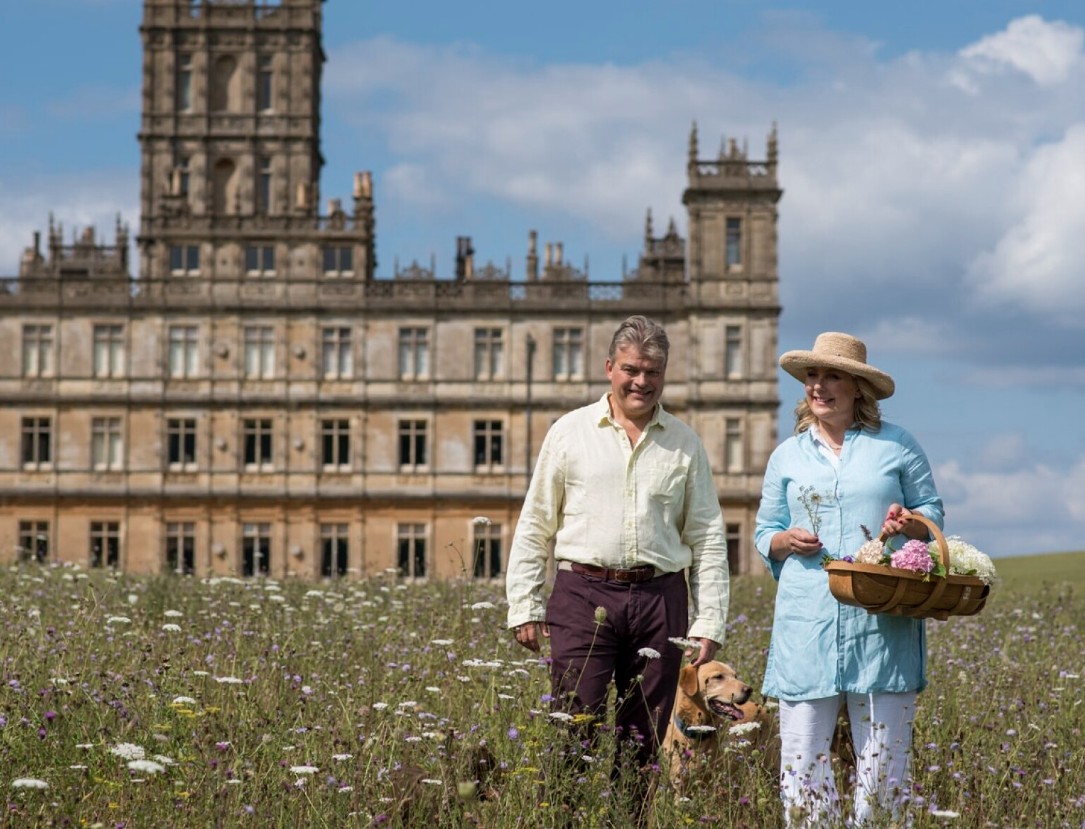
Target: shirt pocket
[665, 489]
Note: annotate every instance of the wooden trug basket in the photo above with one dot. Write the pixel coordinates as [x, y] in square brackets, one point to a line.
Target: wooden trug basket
[881, 589]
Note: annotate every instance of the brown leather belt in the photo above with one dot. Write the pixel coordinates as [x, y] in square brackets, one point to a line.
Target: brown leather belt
[631, 575]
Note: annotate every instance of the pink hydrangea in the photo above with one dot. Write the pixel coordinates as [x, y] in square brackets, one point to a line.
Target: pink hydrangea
[913, 556]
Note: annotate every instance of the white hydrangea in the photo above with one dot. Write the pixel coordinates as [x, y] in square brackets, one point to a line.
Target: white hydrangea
[966, 560]
[870, 553]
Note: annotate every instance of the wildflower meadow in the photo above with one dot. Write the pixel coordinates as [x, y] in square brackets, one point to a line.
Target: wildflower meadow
[170, 701]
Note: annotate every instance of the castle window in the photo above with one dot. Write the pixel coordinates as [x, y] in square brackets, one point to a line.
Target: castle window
[183, 351]
[105, 544]
[489, 354]
[184, 83]
[734, 242]
[413, 353]
[256, 549]
[489, 443]
[335, 444]
[33, 541]
[259, 352]
[263, 186]
[108, 356]
[412, 444]
[334, 550]
[732, 445]
[487, 551]
[181, 442]
[338, 260]
[105, 443]
[37, 442]
[732, 352]
[37, 351]
[256, 444]
[411, 550]
[260, 260]
[337, 358]
[185, 260]
[181, 547]
[265, 77]
[568, 353]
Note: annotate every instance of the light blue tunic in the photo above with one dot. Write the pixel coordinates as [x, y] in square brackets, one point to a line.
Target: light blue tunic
[820, 647]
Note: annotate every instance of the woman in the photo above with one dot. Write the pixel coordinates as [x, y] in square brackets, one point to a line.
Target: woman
[843, 472]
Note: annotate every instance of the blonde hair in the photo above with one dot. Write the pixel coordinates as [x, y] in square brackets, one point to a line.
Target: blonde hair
[868, 412]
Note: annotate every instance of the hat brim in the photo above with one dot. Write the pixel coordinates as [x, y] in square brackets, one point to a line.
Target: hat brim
[796, 363]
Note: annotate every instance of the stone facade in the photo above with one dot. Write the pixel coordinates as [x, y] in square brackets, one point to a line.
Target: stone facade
[255, 399]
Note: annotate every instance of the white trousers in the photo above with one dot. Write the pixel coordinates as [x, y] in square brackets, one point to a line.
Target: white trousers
[881, 729]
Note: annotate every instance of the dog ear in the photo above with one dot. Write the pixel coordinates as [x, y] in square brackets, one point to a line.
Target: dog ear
[687, 681]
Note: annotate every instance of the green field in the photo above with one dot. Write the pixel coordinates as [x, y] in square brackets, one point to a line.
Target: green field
[175, 702]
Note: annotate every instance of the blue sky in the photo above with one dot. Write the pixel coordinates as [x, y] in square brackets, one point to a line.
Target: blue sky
[932, 157]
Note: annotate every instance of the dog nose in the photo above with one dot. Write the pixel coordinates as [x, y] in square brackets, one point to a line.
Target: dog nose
[745, 695]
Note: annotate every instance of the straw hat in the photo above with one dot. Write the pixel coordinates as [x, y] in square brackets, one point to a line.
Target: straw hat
[842, 351]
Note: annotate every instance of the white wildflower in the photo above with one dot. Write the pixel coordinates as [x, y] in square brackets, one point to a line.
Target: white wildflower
[118, 620]
[304, 769]
[229, 680]
[146, 766]
[483, 606]
[340, 757]
[561, 716]
[173, 614]
[701, 729]
[169, 627]
[649, 653]
[29, 783]
[743, 727]
[128, 751]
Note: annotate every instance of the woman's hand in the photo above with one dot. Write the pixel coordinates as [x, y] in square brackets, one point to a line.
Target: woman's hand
[795, 541]
[895, 523]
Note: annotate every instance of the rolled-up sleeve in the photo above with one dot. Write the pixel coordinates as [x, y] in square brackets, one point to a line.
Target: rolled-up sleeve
[539, 520]
[709, 573]
[773, 515]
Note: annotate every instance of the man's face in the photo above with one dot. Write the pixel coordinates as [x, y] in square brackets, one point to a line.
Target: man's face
[636, 382]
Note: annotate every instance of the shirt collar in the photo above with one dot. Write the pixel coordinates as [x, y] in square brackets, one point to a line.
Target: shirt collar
[603, 418]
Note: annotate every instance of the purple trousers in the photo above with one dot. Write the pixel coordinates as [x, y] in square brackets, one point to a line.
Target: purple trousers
[587, 654]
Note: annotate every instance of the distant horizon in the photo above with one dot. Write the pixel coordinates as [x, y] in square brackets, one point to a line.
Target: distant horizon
[931, 157]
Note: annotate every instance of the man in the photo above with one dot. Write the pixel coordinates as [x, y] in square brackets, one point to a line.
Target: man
[624, 493]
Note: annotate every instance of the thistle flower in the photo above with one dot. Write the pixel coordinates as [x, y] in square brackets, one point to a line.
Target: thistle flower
[600, 615]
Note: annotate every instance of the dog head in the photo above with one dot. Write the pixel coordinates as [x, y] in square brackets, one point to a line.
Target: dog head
[715, 688]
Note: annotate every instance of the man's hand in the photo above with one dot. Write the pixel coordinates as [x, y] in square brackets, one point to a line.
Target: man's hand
[531, 634]
[707, 651]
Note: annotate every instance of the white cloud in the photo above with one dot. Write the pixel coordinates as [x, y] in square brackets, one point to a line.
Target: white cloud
[1036, 264]
[1046, 52]
[1017, 507]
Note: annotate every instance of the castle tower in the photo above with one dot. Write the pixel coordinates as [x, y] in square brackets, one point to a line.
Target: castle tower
[230, 142]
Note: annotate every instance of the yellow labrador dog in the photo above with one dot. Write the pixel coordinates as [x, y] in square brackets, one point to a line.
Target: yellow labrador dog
[712, 708]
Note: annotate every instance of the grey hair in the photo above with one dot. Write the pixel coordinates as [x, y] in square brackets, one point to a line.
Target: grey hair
[645, 335]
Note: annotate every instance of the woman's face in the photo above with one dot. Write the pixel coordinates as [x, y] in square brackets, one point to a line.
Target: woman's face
[831, 395]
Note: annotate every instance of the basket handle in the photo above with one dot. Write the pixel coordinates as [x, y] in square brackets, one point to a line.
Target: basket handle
[935, 530]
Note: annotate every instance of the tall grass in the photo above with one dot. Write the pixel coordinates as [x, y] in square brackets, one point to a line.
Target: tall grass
[376, 703]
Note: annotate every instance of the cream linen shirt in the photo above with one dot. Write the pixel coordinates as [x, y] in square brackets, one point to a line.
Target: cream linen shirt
[600, 500]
